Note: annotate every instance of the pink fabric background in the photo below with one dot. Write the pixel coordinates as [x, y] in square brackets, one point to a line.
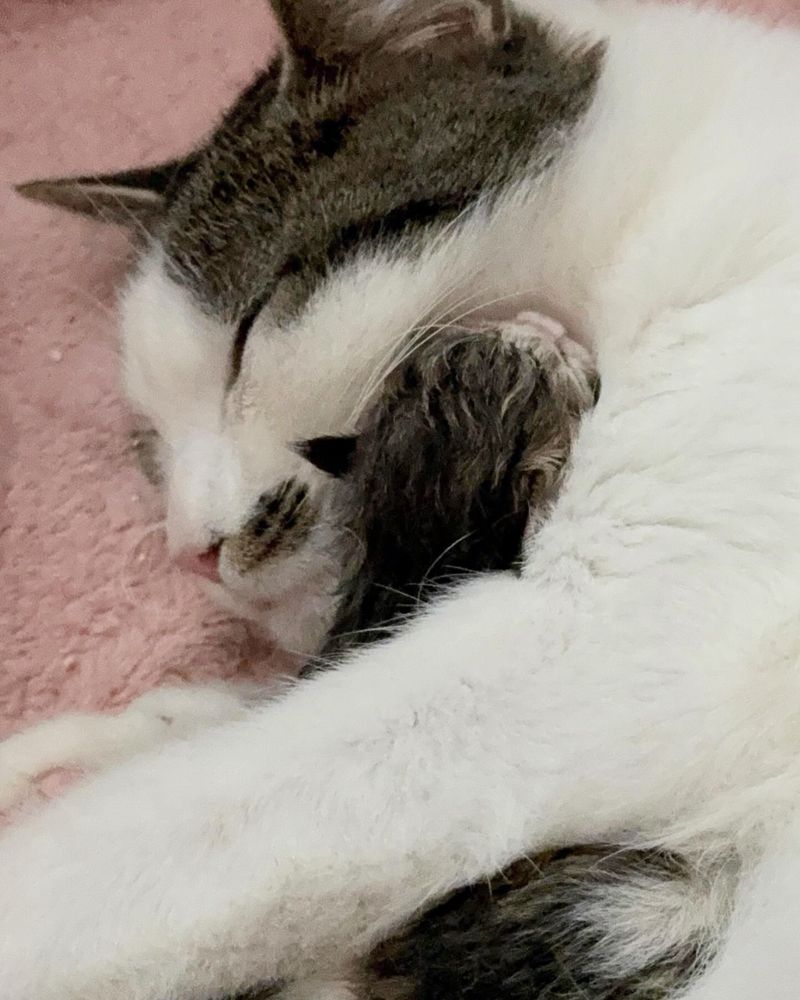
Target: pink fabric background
[90, 612]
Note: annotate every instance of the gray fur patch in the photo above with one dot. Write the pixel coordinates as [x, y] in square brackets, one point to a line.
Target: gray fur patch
[144, 444]
[528, 933]
[297, 180]
[278, 526]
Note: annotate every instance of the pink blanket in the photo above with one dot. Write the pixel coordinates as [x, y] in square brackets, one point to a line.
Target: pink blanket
[91, 614]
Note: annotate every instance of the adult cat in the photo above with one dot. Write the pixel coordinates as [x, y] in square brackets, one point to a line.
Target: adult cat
[640, 678]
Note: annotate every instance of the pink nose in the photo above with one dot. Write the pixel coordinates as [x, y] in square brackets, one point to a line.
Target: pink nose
[204, 563]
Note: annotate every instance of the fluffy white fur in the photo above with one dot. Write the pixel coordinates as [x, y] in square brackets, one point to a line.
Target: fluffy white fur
[90, 742]
[642, 676]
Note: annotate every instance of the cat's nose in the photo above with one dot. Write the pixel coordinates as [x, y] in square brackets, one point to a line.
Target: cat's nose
[203, 563]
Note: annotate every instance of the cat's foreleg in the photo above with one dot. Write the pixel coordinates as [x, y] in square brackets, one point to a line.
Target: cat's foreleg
[296, 837]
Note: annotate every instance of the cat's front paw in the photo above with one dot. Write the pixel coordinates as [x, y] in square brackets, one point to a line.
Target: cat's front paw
[89, 742]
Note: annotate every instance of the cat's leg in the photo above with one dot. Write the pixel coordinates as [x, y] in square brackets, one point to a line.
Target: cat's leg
[628, 676]
[88, 741]
[316, 825]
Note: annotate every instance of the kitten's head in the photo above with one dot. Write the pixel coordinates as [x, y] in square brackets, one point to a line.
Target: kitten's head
[285, 262]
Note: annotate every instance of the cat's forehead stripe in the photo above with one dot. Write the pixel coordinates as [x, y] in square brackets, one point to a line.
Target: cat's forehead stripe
[292, 183]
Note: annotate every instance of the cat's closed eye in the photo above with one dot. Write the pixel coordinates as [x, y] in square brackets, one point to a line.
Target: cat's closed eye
[240, 341]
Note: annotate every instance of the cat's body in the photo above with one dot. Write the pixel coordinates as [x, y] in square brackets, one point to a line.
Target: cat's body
[636, 682]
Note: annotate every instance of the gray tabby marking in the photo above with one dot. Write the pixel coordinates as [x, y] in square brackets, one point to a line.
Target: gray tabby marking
[527, 934]
[372, 152]
[278, 526]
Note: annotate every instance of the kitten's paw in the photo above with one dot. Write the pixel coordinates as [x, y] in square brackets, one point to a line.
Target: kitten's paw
[547, 340]
[529, 325]
[568, 365]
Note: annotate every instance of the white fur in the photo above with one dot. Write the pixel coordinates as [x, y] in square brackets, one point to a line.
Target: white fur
[641, 676]
[642, 918]
[759, 959]
[91, 742]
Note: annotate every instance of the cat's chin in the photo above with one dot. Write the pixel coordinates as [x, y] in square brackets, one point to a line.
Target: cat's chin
[295, 622]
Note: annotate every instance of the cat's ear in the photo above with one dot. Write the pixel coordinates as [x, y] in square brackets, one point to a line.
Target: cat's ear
[133, 198]
[332, 454]
[338, 33]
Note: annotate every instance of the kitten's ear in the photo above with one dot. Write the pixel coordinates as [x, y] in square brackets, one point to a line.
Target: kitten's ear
[331, 454]
[133, 198]
[323, 34]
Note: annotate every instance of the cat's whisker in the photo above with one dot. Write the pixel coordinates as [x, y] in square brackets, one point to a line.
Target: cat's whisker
[356, 537]
[384, 365]
[412, 341]
[448, 228]
[426, 575]
[430, 329]
[373, 630]
[394, 590]
[380, 369]
[323, 662]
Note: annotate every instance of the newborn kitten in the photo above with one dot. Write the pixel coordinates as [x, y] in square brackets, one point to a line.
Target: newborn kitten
[463, 450]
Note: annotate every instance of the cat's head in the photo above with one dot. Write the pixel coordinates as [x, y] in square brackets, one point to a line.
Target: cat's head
[286, 261]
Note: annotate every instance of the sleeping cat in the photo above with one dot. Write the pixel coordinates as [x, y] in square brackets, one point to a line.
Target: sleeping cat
[633, 171]
[464, 447]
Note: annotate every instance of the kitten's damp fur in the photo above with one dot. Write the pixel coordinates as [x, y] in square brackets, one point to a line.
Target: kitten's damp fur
[465, 446]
